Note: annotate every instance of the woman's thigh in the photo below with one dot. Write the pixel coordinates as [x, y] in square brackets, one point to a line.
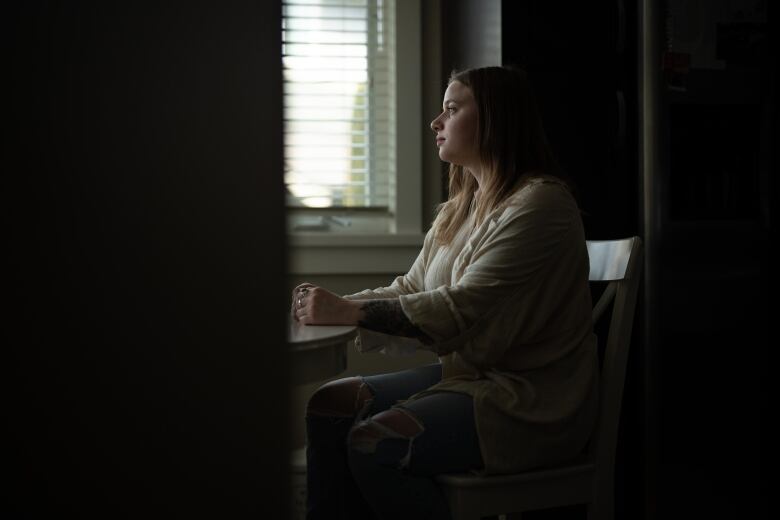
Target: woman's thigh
[355, 397]
[388, 389]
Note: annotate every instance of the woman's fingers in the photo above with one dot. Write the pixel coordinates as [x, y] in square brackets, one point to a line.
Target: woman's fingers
[305, 285]
[296, 295]
[300, 314]
[299, 300]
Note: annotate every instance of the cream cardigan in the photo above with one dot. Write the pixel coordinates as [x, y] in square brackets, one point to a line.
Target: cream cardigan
[509, 309]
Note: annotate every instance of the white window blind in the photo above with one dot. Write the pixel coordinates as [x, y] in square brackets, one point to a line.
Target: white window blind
[339, 102]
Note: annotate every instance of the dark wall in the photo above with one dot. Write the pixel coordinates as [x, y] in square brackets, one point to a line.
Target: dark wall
[471, 36]
[581, 58]
[143, 216]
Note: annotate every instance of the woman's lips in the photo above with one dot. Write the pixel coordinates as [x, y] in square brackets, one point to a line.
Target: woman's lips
[439, 140]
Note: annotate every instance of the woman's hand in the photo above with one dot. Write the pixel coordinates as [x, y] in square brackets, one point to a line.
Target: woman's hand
[299, 292]
[314, 305]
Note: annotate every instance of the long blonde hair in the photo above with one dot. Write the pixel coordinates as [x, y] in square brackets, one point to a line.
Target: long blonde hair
[512, 145]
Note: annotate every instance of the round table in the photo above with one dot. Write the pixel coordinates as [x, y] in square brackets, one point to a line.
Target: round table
[319, 351]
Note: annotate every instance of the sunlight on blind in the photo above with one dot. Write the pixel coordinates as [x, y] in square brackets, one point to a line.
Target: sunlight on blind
[338, 102]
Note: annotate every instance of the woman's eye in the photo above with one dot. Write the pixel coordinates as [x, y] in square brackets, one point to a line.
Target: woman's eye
[450, 110]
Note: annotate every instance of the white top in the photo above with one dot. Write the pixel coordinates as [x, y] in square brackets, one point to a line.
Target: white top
[508, 306]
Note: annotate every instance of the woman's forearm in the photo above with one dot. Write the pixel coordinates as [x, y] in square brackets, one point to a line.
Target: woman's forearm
[387, 316]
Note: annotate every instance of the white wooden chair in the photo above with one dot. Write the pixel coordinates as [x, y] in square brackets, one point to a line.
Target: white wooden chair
[590, 478]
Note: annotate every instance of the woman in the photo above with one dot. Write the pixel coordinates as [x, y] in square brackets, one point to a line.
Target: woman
[499, 291]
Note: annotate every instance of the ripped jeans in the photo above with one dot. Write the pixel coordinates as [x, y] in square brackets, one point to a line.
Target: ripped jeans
[370, 458]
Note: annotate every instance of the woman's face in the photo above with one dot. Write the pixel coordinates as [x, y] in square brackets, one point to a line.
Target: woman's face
[456, 127]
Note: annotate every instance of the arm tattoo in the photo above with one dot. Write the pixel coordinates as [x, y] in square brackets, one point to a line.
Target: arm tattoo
[388, 317]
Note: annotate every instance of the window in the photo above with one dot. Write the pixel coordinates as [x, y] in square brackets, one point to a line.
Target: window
[338, 91]
[342, 124]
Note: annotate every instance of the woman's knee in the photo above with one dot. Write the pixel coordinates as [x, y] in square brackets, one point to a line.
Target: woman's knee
[395, 428]
[345, 397]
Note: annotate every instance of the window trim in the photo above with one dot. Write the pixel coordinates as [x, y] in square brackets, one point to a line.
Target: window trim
[408, 177]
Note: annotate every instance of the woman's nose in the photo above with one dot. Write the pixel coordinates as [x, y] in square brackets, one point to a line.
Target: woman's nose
[436, 124]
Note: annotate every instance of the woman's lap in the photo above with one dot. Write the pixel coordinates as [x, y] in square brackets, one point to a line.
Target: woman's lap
[448, 439]
[395, 386]
[392, 472]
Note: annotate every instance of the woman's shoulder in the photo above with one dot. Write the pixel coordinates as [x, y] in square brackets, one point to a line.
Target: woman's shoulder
[541, 191]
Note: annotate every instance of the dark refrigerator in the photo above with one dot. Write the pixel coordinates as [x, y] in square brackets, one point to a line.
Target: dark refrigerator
[664, 116]
[709, 143]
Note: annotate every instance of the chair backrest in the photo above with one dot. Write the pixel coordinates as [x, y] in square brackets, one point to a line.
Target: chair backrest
[619, 263]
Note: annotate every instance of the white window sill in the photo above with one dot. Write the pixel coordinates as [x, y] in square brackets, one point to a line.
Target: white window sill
[342, 253]
[339, 221]
[354, 240]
